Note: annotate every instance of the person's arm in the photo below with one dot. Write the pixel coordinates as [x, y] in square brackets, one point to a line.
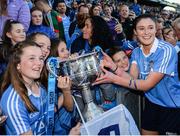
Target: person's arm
[134, 72]
[127, 81]
[64, 83]
[68, 101]
[24, 16]
[118, 76]
[141, 85]
[161, 66]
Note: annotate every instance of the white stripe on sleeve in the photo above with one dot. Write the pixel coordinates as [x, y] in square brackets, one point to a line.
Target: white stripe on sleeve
[166, 58]
[19, 115]
[10, 114]
[17, 123]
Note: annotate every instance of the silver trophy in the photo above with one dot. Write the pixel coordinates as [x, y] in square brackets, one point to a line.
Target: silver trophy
[83, 70]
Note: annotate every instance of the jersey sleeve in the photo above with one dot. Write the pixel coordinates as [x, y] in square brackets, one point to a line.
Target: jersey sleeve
[17, 115]
[134, 56]
[166, 61]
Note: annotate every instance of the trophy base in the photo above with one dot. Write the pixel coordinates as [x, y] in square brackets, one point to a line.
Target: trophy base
[91, 111]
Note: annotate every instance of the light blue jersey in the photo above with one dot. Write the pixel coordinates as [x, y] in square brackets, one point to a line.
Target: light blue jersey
[19, 119]
[162, 59]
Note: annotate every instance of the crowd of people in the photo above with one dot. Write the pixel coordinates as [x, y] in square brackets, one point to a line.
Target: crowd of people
[141, 59]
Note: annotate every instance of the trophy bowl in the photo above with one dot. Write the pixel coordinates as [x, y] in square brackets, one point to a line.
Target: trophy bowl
[82, 69]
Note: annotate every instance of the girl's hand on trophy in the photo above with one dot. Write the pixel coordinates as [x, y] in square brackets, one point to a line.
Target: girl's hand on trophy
[74, 55]
[106, 77]
[107, 62]
[100, 73]
[64, 83]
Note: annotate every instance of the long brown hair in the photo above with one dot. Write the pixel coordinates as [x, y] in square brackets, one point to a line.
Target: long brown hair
[44, 72]
[54, 47]
[3, 7]
[13, 77]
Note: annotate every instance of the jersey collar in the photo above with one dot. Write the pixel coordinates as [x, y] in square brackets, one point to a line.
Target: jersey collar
[153, 48]
[31, 93]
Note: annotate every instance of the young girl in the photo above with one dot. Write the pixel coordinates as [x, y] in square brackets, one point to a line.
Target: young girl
[13, 33]
[154, 71]
[24, 99]
[16, 10]
[125, 96]
[37, 24]
[66, 119]
[120, 58]
[43, 41]
[59, 49]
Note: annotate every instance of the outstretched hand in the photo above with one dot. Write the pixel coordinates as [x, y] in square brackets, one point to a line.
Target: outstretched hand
[105, 77]
[107, 62]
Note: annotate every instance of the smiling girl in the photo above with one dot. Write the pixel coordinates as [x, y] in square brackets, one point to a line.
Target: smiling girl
[153, 71]
[24, 98]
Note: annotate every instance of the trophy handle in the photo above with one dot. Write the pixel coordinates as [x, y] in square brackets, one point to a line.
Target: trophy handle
[52, 64]
[99, 51]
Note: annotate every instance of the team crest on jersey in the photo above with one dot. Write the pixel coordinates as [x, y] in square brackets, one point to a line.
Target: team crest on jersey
[151, 65]
[148, 66]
